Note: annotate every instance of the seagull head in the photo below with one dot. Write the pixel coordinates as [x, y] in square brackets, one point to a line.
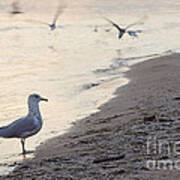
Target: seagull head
[36, 98]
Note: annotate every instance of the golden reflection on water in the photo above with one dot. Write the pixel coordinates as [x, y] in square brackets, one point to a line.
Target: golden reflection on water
[57, 64]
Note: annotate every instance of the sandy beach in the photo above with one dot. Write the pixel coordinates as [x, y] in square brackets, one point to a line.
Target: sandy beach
[112, 144]
[95, 124]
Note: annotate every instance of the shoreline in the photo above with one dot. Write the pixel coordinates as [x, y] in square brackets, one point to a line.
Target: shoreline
[112, 142]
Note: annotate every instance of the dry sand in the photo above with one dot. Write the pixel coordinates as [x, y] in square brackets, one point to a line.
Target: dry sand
[118, 133]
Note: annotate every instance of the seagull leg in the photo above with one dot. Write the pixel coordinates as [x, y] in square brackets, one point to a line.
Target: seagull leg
[23, 146]
[24, 152]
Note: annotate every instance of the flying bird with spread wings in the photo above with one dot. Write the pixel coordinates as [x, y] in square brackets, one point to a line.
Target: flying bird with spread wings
[122, 31]
[16, 8]
[57, 14]
[52, 25]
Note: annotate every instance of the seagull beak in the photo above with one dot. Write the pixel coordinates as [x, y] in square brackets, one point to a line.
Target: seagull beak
[44, 99]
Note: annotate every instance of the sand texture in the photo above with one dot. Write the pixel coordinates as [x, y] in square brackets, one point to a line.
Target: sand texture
[112, 144]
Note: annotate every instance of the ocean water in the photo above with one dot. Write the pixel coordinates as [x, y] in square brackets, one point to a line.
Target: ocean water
[78, 66]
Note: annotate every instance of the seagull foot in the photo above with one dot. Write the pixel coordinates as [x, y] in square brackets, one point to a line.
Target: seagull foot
[27, 152]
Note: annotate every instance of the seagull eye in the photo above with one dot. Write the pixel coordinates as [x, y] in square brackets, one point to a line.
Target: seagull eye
[36, 96]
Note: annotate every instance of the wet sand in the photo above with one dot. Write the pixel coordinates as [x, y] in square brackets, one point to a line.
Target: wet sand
[112, 143]
[76, 68]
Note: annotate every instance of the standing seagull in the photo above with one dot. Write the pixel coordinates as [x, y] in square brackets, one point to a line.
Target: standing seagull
[122, 31]
[26, 126]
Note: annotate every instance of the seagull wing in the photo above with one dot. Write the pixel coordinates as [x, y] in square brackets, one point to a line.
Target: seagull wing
[59, 11]
[15, 6]
[138, 31]
[130, 25]
[18, 128]
[113, 23]
[140, 21]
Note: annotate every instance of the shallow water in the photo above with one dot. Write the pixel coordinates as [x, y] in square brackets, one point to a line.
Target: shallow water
[76, 68]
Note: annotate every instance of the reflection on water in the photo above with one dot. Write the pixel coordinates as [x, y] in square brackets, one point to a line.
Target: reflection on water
[76, 68]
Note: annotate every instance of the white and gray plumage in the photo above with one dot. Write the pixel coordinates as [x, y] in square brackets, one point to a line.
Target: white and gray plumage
[122, 31]
[26, 126]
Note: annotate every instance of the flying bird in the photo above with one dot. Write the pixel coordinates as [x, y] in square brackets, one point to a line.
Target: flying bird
[56, 16]
[122, 31]
[16, 8]
[26, 126]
